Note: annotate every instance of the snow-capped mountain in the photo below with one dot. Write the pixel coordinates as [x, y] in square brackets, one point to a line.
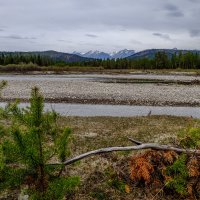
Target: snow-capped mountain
[78, 53]
[102, 55]
[123, 53]
[93, 54]
[97, 55]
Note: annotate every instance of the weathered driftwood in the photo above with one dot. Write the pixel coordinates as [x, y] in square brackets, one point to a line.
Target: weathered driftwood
[134, 141]
[139, 146]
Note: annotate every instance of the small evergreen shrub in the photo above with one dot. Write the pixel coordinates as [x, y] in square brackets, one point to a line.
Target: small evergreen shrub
[31, 141]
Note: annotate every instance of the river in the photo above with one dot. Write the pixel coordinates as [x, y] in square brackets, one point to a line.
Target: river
[87, 110]
[48, 82]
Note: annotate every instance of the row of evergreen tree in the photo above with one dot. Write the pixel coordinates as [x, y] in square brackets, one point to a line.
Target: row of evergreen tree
[161, 60]
[18, 58]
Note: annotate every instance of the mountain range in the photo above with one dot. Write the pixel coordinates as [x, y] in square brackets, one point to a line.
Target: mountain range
[55, 55]
[131, 54]
[103, 55]
[150, 53]
[80, 57]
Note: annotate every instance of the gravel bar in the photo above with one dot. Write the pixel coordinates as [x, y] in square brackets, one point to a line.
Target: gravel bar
[83, 90]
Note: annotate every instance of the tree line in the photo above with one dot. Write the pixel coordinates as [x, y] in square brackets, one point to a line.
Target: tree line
[161, 60]
[19, 58]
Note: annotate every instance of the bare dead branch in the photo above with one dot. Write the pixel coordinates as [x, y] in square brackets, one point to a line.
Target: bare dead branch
[135, 141]
[129, 148]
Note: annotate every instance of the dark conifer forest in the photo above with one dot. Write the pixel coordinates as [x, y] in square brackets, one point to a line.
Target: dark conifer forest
[161, 60]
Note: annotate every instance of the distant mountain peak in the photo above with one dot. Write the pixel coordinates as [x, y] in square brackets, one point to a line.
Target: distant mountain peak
[78, 53]
[103, 55]
[123, 53]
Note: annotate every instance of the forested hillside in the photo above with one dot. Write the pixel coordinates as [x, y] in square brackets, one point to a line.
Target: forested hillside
[40, 58]
[156, 60]
[161, 60]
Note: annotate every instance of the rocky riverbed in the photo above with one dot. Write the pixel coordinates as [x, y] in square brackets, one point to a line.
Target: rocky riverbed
[86, 89]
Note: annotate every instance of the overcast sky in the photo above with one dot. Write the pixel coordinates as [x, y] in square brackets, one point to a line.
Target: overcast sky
[106, 25]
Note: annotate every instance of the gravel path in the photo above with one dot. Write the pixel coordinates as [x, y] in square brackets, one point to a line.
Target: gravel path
[87, 91]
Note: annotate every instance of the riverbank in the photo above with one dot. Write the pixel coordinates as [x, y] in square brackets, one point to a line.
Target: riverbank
[32, 70]
[96, 89]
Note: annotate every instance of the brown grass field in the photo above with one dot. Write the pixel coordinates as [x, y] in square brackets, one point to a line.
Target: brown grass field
[98, 173]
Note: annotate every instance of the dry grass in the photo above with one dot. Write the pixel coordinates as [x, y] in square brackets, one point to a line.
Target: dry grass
[100, 175]
[107, 176]
[34, 69]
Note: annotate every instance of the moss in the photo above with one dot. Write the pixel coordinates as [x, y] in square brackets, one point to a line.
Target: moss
[190, 138]
[99, 194]
[179, 173]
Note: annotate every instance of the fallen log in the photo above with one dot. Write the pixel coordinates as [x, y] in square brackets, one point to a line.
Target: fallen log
[140, 146]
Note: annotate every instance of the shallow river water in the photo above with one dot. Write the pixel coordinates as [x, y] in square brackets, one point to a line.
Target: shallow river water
[117, 110]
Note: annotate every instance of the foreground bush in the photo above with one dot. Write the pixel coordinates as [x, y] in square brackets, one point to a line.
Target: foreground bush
[31, 139]
[168, 171]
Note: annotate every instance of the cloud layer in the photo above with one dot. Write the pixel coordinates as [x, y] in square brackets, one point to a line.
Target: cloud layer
[69, 25]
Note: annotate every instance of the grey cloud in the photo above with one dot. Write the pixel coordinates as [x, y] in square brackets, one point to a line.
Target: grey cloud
[194, 1]
[163, 36]
[176, 14]
[194, 32]
[173, 10]
[123, 29]
[91, 35]
[18, 37]
[56, 23]
[171, 7]
[61, 40]
[135, 42]
[87, 14]
[90, 44]
[2, 28]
